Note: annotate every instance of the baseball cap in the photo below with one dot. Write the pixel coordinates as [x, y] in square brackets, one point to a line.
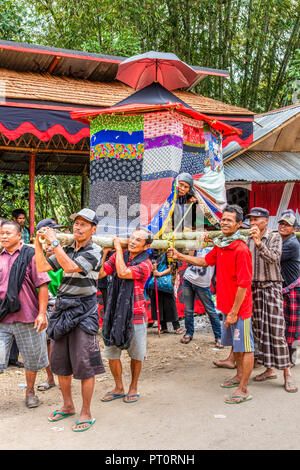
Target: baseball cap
[258, 212]
[47, 223]
[289, 218]
[86, 214]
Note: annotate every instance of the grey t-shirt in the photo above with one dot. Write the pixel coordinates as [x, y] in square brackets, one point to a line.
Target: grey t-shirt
[198, 275]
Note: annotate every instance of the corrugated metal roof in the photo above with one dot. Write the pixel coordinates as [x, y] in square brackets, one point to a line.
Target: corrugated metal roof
[263, 167]
[264, 124]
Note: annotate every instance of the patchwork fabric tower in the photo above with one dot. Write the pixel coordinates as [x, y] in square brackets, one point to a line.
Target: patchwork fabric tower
[138, 148]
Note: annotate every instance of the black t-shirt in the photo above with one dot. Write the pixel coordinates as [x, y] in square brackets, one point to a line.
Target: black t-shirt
[290, 260]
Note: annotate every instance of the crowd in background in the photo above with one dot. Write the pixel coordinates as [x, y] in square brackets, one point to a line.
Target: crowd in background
[49, 309]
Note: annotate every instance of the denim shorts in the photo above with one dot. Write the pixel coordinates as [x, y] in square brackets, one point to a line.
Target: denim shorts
[239, 335]
[32, 345]
[137, 348]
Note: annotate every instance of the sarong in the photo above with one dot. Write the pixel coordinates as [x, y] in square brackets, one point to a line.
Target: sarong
[291, 308]
[269, 325]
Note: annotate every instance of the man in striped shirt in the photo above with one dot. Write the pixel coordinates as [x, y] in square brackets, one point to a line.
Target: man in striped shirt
[74, 322]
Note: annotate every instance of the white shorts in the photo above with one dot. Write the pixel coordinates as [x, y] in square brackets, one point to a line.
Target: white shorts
[137, 348]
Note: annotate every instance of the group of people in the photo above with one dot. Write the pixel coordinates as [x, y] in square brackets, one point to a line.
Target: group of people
[257, 291]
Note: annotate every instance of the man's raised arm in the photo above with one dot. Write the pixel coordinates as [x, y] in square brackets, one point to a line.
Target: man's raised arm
[197, 261]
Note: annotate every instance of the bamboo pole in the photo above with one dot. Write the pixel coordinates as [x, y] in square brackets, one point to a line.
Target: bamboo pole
[182, 240]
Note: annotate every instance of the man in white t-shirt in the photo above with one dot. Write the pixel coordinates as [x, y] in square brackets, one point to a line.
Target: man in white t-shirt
[197, 280]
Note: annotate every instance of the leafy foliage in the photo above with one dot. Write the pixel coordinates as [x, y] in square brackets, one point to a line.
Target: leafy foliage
[258, 41]
[56, 196]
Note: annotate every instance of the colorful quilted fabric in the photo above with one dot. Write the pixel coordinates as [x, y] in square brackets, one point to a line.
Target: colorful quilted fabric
[162, 123]
[154, 193]
[123, 137]
[161, 159]
[117, 122]
[109, 150]
[162, 216]
[193, 135]
[162, 141]
[193, 163]
[110, 169]
[213, 147]
[159, 175]
[135, 160]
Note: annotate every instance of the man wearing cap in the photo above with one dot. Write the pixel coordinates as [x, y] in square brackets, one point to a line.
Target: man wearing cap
[74, 323]
[290, 271]
[268, 319]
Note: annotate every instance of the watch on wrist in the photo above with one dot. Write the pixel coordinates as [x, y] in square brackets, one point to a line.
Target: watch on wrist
[55, 243]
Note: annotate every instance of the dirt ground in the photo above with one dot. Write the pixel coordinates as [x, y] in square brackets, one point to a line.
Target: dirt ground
[181, 407]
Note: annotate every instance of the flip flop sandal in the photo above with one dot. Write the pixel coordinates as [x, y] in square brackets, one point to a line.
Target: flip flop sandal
[186, 339]
[78, 423]
[44, 386]
[131, 396]
[115, 396]
[240, 399]
[179, 331]
[223, 366]
[234, 383]
[63, 416]
[32, 402]
[262, 377]
[164, 332]
[290, 386]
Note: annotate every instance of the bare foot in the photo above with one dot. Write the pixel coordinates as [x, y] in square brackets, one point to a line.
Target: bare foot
[289, 384]
[226, 364]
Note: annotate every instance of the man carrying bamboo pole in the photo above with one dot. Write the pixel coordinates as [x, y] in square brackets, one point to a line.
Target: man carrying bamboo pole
[124, 325]
[268, 315]
[234, 273]
[74, 323]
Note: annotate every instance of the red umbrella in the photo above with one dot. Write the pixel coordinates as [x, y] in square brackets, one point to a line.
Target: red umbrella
[141, 70]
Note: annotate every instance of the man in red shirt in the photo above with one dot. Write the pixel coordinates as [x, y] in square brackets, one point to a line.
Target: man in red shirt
[124, 325]
[234, 298]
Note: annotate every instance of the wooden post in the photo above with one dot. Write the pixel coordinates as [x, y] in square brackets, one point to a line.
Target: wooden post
[31, 193]
[84, 189]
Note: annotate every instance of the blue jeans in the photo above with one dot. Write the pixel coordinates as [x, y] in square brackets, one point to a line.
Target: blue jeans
[204, 294]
